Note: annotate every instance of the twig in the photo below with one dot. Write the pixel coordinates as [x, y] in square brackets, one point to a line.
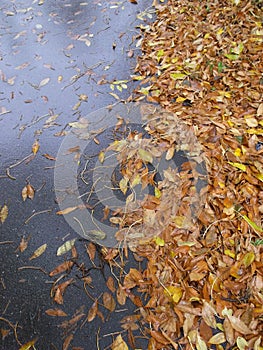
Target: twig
[14, 165]
[14, 327]
[32, 268]
[37, 213]
[6, 242]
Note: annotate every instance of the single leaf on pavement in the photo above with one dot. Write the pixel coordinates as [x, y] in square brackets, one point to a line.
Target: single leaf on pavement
[3, 213]
[39, 251]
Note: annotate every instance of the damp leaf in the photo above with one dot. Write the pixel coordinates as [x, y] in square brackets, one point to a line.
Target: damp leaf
[119, 344]
[56, 313]
[39, 251]
[67, 246]
[3, 213]
[108, 301]
[35, 147]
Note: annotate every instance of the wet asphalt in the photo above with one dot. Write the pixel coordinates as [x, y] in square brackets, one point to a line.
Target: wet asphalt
[51, 53]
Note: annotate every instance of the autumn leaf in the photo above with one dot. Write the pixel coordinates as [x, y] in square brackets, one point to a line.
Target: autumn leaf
[39, 251]
[28, 192]
[67, 246]
[29, 345]
[66, 210]
[108, 301]
[35, 147]
[93, 311]
[3, 213]
[65, 266]
[119, 344]
[55, 313]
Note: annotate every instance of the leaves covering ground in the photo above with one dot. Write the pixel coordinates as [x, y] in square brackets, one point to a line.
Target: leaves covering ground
[202, 60]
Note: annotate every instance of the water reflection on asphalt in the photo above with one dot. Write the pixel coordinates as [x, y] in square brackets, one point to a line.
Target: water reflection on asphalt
[51, 52]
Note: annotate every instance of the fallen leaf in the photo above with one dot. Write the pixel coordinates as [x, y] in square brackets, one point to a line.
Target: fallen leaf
[55, 313]
[93, 311]
[39, 251]
[29, 345]
[65, 266]
[108, 301]
[3, 213]
[43, 82]
[66, 211]
[67, 246]
[119, 344]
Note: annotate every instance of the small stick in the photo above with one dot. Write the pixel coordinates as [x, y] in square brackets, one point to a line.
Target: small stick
[37, 213]
[32, 268]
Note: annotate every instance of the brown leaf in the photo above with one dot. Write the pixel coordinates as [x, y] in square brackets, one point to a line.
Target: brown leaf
[65, 266]
[132, 279]
[66, 210]
[93, 311]
[110, 284]
[108, 301]
[91, 250]
[239, 325]
[55, 312]
[48, 156]
[121, 295]
[23, 244]
[67, 342]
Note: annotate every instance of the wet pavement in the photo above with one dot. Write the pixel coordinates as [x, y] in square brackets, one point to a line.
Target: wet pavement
[57, 59]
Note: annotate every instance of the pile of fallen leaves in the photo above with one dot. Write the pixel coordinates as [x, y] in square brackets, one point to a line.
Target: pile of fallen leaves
[203, 285]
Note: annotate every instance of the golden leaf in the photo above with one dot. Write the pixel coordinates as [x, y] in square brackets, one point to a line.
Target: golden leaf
[35, 147]
[218, 338]
[67, 246]
[39, 251]
[3, 213]
[119, 344]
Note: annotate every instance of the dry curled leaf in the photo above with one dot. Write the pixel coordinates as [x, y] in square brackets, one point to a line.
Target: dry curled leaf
[108, 301]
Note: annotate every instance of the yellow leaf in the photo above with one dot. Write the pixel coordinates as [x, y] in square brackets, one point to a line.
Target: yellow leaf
[175, 292]
[157, 192]
[29, 345]
[218, 338]
[159, 241]
[178, 76]
[101, 156]
[119, 344]
[123, 185]
[136, 180]
[259, 177]
[230, 253]
[3, 213]
[248, 259]
[180, 99]
[238, 166]
[237, 152]
[35, 147]
[39, 251]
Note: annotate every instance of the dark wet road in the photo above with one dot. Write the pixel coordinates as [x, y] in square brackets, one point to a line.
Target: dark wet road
[54, 58]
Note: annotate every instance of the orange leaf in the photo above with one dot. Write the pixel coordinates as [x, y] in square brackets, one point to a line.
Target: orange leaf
[66, 265]
[92, 311]
[55, 312]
